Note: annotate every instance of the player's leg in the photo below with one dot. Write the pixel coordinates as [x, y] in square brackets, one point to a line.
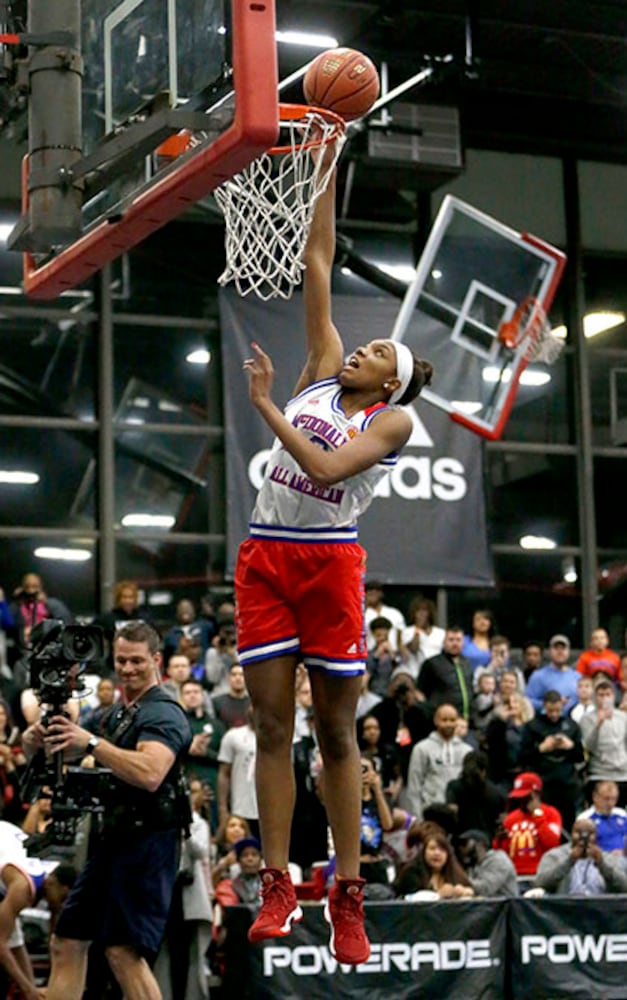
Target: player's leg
[270, 684]
[335, 703]
[271, 687]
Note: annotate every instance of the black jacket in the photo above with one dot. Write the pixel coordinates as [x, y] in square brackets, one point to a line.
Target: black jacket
[555, 766]
[439, 682]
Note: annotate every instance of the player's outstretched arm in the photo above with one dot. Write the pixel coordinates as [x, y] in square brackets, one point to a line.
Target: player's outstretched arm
[325, 351]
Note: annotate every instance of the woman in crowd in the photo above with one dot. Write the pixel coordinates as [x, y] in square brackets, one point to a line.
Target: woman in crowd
[503, 733]
[477, 644]
[383, 758]
[376, 819]
[423, 638]
[435, 868]
[236, 828]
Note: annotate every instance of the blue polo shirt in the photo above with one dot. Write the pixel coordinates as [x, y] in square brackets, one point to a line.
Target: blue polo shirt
[551, 678]
[611, 830]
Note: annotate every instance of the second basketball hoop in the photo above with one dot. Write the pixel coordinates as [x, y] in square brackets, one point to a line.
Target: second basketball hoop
[268, 207]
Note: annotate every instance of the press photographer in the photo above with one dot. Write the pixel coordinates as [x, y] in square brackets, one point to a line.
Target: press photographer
[580, 868]
[122, 896]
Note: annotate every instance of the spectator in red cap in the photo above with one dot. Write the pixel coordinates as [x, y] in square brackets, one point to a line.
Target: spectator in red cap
[531, 827]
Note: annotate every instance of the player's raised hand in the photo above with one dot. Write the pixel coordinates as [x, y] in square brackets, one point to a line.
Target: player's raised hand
[260, 373]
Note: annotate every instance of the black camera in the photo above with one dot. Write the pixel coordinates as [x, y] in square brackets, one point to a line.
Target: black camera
[55, 649]
[584, 840]
[57, 656]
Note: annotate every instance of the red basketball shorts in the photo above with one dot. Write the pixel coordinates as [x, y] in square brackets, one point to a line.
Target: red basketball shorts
[302, 598]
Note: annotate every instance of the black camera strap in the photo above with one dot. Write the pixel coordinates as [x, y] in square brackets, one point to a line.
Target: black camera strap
[125, 721]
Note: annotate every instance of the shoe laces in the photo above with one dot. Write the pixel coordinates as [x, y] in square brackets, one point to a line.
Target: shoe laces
[275, 887]
[349, 902]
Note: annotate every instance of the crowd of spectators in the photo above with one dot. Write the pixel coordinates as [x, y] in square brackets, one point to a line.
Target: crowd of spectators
[484, 773]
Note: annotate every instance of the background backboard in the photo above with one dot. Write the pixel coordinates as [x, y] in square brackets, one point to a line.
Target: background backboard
[473, 274]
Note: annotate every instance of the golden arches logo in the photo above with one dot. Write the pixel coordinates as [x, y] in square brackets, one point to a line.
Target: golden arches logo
[522, 841]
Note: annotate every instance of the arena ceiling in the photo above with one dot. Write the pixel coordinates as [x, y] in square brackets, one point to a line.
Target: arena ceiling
[546, 77]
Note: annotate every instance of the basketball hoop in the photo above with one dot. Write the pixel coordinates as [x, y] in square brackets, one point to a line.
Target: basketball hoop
[530, 326]
[268, 207]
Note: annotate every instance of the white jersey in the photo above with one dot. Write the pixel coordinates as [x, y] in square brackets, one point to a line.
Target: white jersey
[290, 499]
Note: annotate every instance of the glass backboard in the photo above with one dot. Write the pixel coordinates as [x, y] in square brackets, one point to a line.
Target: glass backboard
[176, 97]
[472, 276]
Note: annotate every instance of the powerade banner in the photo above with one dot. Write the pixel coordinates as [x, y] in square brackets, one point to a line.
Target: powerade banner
[427, 523]
[568, 947]
[425, 950]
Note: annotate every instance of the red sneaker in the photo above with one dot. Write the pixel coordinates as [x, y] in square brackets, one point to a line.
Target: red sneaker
[279, 906]
[344, 911]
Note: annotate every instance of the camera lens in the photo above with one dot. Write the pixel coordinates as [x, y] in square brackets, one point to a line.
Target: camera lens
[82, 643]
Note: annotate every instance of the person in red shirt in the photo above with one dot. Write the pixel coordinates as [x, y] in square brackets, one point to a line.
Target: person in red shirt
[531, 827]
[599, 658]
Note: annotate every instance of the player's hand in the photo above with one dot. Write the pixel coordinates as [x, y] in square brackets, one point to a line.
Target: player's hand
[260, 373]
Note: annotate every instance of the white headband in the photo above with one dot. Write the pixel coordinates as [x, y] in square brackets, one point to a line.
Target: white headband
[404, 369]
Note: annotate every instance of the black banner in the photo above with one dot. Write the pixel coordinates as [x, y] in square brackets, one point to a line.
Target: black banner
[569, 947]
[431, 506]
[421, 950]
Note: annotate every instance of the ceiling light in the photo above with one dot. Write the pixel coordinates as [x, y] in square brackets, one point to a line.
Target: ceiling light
[534, 377]
[530, 377]
[467, 406]
[569, 570]
[64, 555]
[493, 374]
[201, 356]
[16, 476]
[5, 229]
[148, 520]
[167, 407]
[536, 542]
[159, 598]
[306, 38]
[404, 272]
[594, 323]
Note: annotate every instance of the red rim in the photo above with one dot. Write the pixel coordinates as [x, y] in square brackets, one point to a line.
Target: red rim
[513, 331]
[293, 112]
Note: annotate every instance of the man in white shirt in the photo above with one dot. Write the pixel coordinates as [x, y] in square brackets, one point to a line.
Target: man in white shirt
[236, 775]
[604, 735]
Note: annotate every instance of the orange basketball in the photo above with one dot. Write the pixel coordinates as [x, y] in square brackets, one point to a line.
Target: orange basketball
[342, 80]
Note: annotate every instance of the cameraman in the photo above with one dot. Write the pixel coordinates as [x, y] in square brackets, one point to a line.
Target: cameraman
[581, 868]
[122, 896]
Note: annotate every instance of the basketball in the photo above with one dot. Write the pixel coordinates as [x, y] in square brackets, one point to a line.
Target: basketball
[344, 81]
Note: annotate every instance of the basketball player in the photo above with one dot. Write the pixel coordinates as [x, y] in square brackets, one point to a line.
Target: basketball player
[21, 884]
[300, 580]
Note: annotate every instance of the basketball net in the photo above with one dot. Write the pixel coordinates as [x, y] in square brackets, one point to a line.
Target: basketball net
[268, 207]
[530, 326]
